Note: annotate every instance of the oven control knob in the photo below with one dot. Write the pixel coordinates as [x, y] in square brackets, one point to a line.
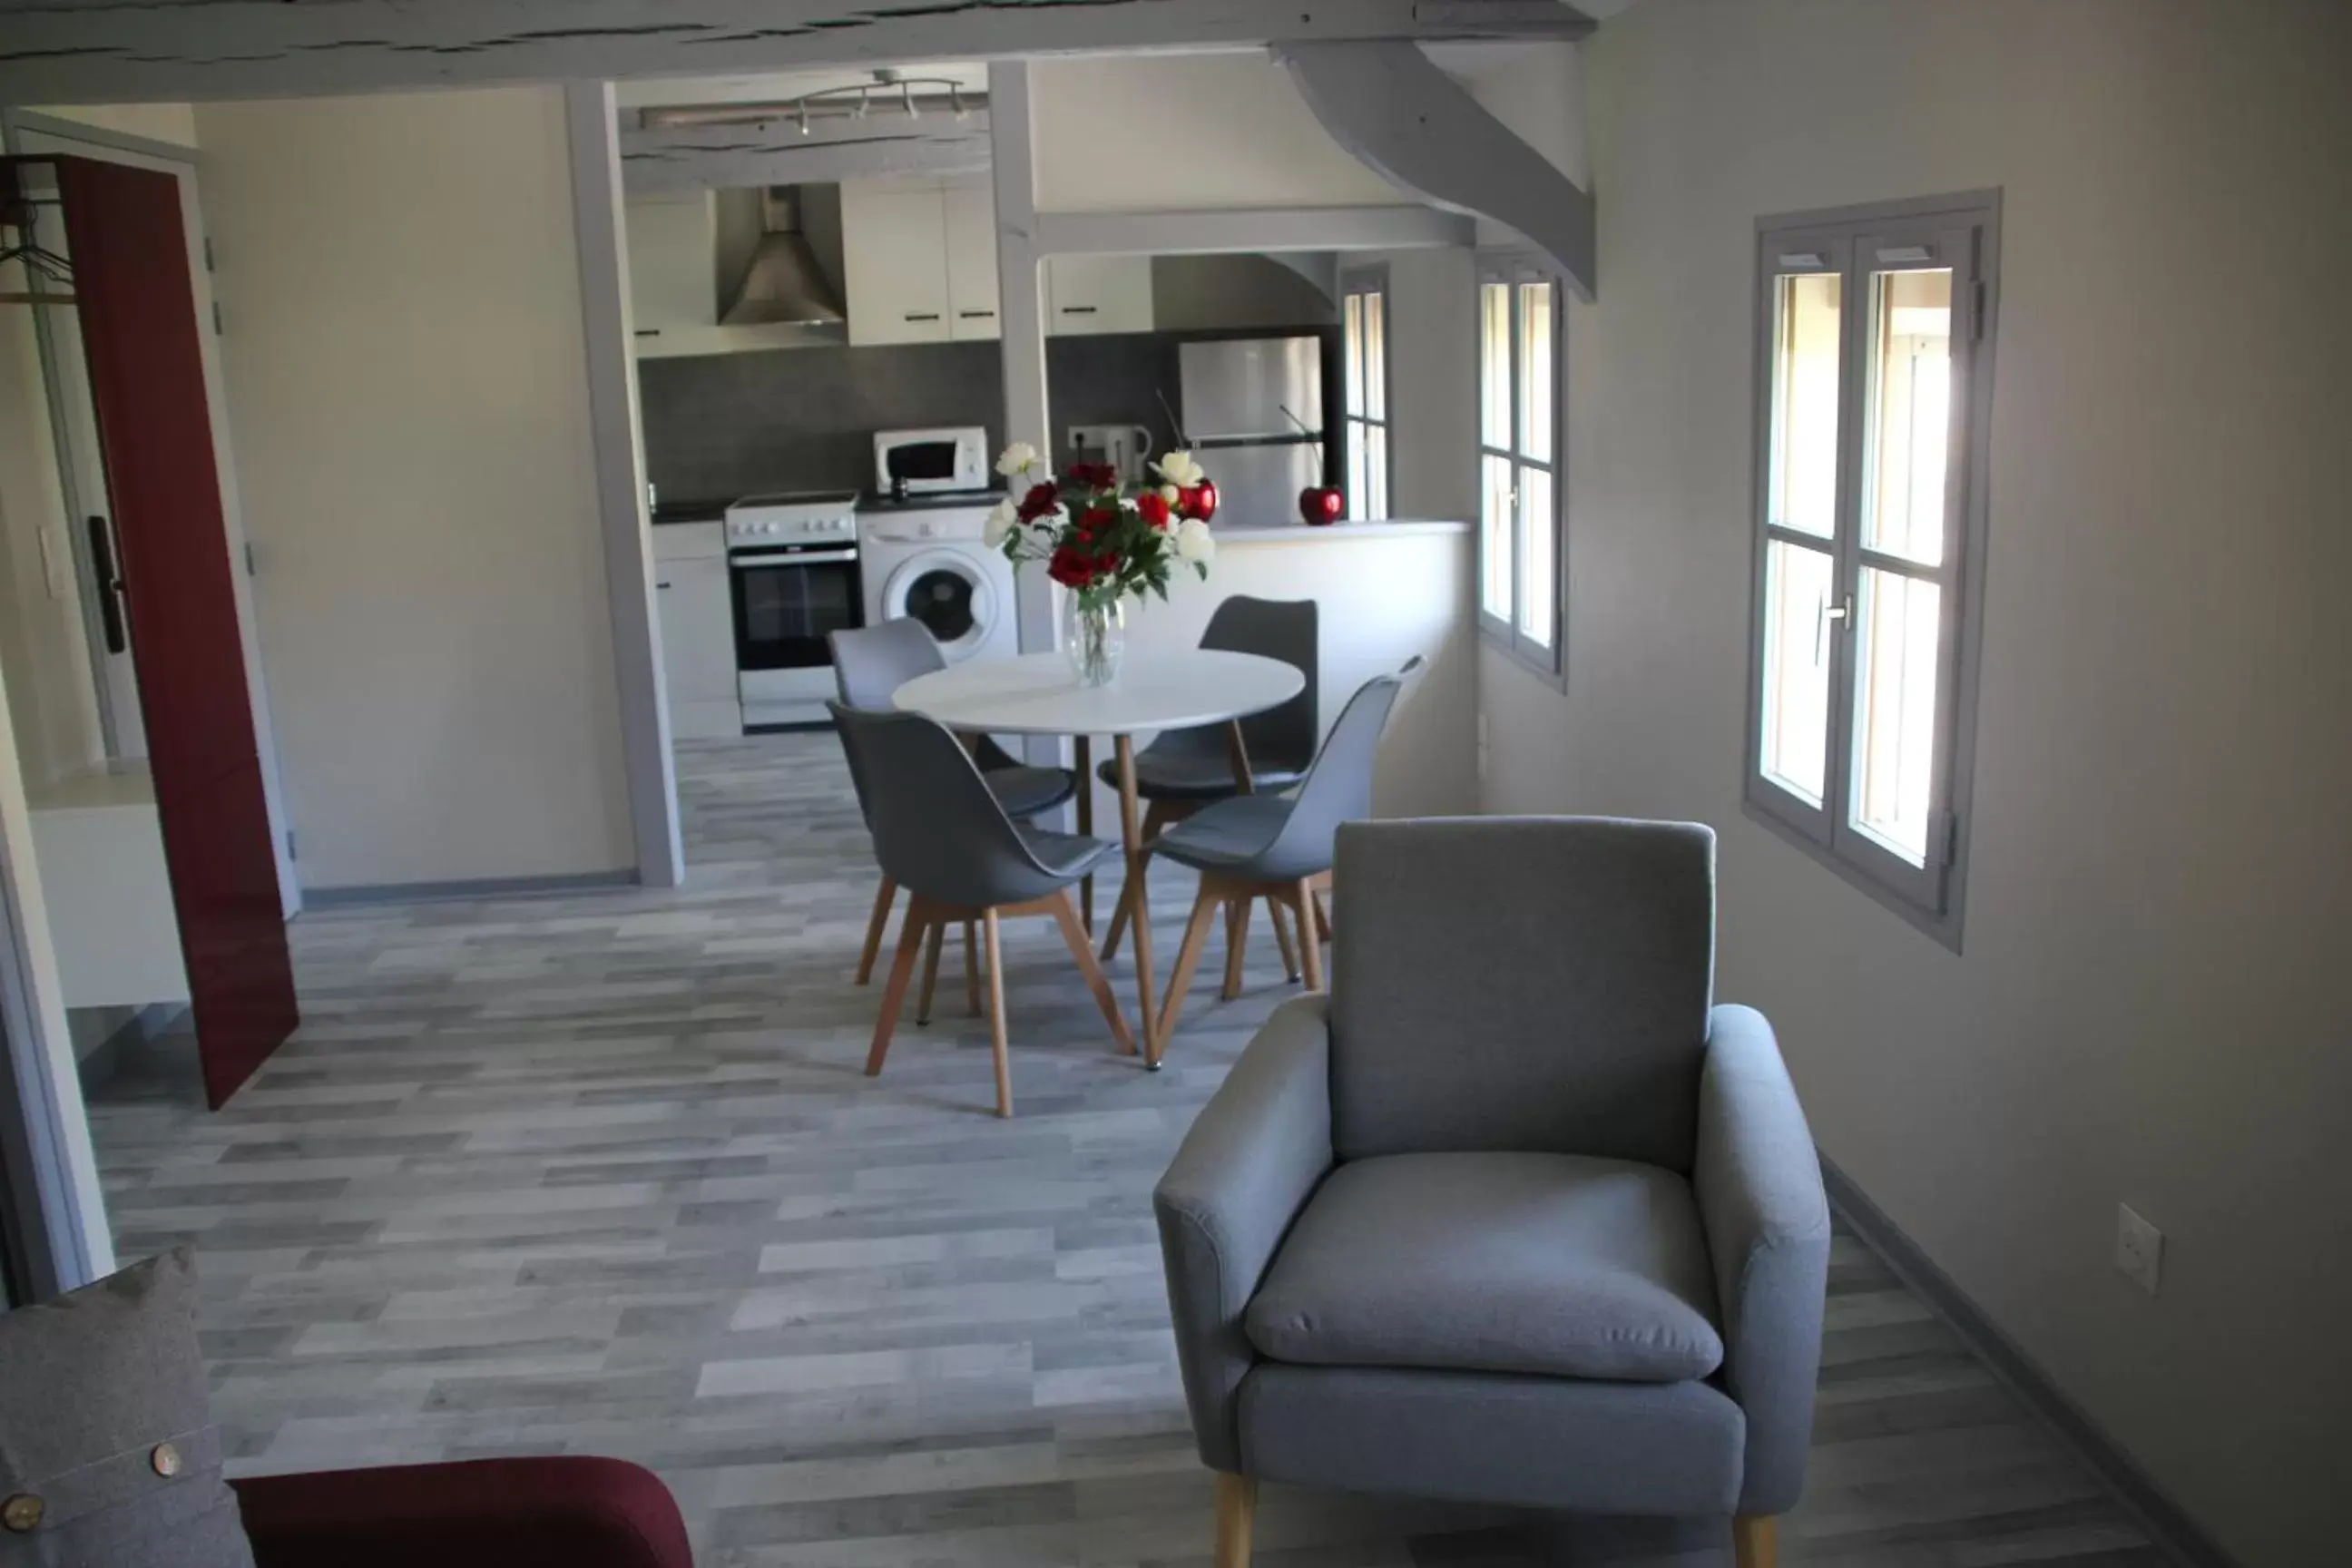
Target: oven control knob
[772, 528]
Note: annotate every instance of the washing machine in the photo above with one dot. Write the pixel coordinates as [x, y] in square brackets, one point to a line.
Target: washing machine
[933, 563]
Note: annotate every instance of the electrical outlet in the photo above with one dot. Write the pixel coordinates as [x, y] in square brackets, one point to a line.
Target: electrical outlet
[2139, 1250]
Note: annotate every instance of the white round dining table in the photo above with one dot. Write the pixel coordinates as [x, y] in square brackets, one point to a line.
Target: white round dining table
[1036, 694]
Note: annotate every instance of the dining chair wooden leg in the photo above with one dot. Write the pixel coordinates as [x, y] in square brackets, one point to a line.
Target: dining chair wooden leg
[1282, 936]
[1236, 1517]
[1073, 934]
[1157, 815]
[1188, 959]
[930, 971]
[883, 897]
[893, 994]
[1081, 753]
[1138, 856]
[972, 967]
[996, 1040]
[1310, 952]
[1118, 925]
[1237, 924]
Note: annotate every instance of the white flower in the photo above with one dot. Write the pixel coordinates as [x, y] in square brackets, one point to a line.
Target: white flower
[1179, 468]
[1195, 545]
[1170, 494]
[1000, 519]
[1018, 458]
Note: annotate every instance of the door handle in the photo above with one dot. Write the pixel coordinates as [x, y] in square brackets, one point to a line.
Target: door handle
[109, 584]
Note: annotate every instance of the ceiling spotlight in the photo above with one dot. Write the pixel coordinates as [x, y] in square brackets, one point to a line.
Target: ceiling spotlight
[804, 118]
[907, 97]
[955, 101]
[862, 104]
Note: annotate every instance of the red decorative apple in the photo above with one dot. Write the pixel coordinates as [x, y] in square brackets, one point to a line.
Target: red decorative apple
[1198, 500]
[1322, 505]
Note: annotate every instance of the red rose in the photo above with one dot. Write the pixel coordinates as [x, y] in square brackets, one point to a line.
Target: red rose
[1100, 476]
[1041, 499]
[1070, 568]
[1152, 507]
[1096, 521]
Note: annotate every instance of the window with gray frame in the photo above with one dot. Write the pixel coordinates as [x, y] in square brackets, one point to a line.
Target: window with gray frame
[1364, 331]
[1521, 499]
[1874, 391]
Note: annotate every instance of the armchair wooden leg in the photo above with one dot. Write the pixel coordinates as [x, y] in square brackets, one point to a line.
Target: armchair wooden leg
[1237, 924]
[893, 994]
[1236, 1513]
[875, 927]
[1755, 1540]
[1310, 952]
[996, 1040]
[1188, 959]
[930, 971]
[1282, 936]
[1322, 917]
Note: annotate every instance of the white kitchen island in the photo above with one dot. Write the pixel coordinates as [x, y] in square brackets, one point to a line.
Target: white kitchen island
[1387, 590]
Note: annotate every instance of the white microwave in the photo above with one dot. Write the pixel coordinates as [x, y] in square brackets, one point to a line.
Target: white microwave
[930, 462]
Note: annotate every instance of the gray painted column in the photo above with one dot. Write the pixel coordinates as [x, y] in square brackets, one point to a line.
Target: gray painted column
[1020, 310]
[596, 216]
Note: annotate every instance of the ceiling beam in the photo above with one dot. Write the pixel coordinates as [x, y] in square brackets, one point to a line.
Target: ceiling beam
[109, 51]
[775, 153]
[1420, 128]
[1231, 230]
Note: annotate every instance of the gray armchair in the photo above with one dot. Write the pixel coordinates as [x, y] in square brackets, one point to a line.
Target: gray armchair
[1516, 1215]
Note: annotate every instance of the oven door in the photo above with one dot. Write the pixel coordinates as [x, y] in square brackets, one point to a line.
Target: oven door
[788, 601]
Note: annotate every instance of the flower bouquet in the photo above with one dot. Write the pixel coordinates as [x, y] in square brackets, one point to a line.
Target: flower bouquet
[1102, 543]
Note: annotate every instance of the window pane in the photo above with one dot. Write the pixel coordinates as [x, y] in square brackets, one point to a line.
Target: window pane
[1797, 632]
[1495, 527]
[1536, 579]
[1535, 371]
[1804, 452]
[1358, 497]
[1376, 470]
[1894, 710]
[1353, 333]
[1910, 414]
[1495, 364]
[1376, 355]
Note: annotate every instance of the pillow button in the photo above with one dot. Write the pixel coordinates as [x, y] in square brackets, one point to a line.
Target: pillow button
[22, 1513]
[165, 1459]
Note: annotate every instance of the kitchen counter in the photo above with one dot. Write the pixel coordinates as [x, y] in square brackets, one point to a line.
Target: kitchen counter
[674, 512]
[1332, 533]
[875, 502]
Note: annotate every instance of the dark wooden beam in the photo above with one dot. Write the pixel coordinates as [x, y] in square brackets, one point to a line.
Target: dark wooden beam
[775, 153]
[1421, 129]
[126, 51]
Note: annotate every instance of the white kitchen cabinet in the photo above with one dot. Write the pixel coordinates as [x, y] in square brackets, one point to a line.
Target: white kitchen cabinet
[1097, 294]
[894, 249]
[671, 286]
[692, 598]
[971, 209]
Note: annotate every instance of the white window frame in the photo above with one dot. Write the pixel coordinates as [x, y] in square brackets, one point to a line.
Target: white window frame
[1961, 233]
[1519, 269]
[1377, 411]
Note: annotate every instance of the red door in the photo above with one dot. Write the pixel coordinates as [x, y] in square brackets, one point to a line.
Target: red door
[138, 311]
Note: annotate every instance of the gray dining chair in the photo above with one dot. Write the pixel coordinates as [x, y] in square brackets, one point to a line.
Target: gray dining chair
[1278, 847]
[1183, 771]
[1517, 1215]
[941, 833]
[869, 664]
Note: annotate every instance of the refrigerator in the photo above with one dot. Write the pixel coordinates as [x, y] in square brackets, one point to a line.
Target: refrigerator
[1253, 411]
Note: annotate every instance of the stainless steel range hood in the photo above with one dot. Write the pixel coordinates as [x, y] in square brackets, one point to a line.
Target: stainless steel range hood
[783, 283]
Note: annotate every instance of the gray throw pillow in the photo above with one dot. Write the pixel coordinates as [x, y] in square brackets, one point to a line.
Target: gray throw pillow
[108, 1457]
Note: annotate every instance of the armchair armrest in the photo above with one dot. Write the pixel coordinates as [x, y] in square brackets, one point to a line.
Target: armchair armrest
[1257, 1150]
[568, 1512]
[1759, 1181]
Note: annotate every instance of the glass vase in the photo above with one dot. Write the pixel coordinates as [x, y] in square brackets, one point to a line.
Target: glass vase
[1094, 636]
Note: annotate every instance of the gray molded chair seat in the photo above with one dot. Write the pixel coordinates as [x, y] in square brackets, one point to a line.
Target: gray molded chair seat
[1197, 765]
[1518, 1215]
[869, 664]
[942, 835]
[1276, 847]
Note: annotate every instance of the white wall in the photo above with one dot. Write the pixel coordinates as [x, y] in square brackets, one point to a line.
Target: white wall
[407, 384]
[1166, 132]
[2150, 1005]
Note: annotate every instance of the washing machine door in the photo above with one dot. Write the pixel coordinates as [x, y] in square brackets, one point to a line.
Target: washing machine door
[948, 590]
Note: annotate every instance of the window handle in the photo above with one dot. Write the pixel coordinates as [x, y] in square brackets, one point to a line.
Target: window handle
[1840, 611]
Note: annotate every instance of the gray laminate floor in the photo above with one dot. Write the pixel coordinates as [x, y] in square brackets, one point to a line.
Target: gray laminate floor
[600, 1174]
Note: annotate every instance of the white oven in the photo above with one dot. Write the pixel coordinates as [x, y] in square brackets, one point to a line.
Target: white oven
[930, 462]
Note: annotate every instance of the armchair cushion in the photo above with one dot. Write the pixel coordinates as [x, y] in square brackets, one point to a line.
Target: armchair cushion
[1553, 1265]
